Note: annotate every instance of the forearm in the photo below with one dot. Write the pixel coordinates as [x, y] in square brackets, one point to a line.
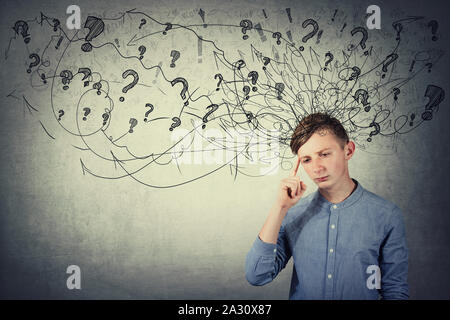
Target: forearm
[265, 260]
[271, 227]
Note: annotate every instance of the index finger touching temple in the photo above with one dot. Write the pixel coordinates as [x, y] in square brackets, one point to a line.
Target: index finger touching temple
[294, 172]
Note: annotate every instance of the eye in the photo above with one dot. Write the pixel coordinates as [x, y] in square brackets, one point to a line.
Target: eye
[306, 161]
[325, 154]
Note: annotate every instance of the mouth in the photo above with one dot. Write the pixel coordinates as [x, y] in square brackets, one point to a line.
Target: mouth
[321, 179]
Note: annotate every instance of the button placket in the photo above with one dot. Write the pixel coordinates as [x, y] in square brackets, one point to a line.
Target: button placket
[332, 239]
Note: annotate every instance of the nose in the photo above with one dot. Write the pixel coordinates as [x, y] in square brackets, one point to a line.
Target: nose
[318, 166]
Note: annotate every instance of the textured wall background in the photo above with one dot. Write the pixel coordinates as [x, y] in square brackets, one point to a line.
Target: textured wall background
[189, 242]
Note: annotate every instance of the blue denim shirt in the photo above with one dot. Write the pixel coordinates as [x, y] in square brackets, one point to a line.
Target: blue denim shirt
[339, 250]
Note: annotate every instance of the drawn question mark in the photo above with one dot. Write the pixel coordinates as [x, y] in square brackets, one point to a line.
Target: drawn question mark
[24, 27]
[412, 119]
[397, 27]
[35, 63]
[98, 86]
[375, 132]
[434, 26]
[246, 26]
[142, 50]
[143, 21]
[56, 23]
[213, 107]
[168, 27]
[133, 123]
[240, 64]
[66, 76]
[389, 59]
[218, 75]
[278, 36]
[246, 90]
[86, 74]
[96, 27]
[185, 87]
[362, 43]
[266, 62]
[125, 74]
[105, 117]
[280, 88]
[396, 93]
[249, 116]
[365, 96]
[176, 123]
[355, 74]
[175, 56]
[148, 112]
[61, 113]
[305, 24]
[86, 112]
[330, 58]
[254, 75]
[436, 95]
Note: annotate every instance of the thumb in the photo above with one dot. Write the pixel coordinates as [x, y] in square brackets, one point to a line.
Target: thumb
[301, 190]
[298, 195]
[303, 185]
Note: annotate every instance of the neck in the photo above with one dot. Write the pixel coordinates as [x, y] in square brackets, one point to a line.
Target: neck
[339, 193]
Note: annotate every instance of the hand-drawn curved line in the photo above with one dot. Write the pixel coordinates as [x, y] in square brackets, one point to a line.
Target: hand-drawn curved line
[80, 148]
[13, 96]
[53, 82]
[46, 131]
[313, 92]
[85, 169]
[28, 105]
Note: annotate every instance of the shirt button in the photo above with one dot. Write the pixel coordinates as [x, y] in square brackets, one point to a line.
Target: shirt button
[329, 276]
[331, 250]
[274, 250]
[335, 207]
[333, 226]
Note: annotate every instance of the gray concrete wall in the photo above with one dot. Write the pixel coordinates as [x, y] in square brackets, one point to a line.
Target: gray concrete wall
[134, 241]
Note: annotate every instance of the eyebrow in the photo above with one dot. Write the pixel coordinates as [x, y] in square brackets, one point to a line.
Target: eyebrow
[320, 151]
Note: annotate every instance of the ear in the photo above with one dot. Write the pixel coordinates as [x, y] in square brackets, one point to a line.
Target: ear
[349, 150]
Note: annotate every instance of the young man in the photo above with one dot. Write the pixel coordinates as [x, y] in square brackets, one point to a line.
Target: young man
[346, 242]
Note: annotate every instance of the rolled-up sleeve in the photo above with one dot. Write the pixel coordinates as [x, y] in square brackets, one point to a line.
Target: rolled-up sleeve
[394, 259]
[265, 260]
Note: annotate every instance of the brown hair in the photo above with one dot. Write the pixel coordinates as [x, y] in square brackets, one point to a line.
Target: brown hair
[315, 122]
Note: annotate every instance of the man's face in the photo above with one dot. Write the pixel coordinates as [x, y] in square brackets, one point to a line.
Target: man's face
[324, 160]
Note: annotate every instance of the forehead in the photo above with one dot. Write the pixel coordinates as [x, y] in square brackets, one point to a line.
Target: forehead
[318, 141]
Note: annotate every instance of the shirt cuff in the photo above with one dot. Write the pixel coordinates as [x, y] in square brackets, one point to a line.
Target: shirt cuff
[264, 248]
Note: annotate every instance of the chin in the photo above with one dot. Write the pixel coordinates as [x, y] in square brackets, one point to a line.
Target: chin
[324, 184]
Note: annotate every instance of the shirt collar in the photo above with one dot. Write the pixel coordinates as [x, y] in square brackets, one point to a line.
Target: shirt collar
[350, 200]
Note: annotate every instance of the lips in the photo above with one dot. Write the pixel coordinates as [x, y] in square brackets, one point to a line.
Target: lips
[321, 179]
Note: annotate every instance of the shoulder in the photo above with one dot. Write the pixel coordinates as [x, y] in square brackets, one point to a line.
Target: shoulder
[377, 201]
[381, 207]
